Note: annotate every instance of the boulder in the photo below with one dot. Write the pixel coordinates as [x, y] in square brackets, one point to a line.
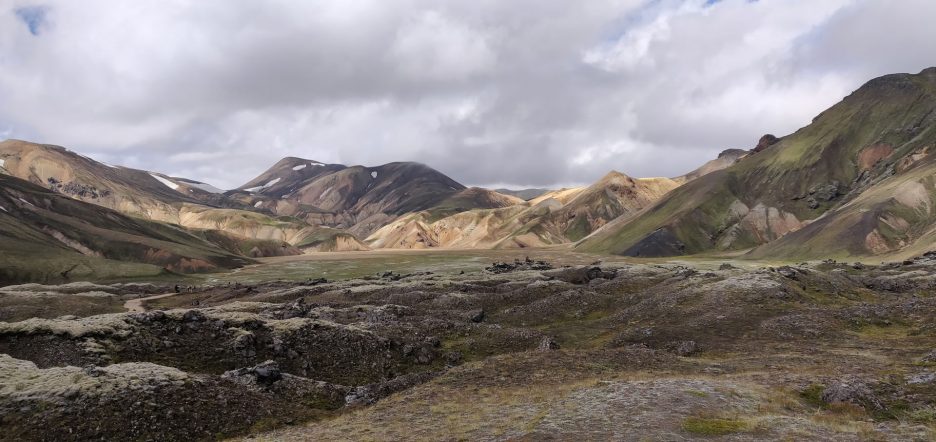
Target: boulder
[476, 315]
[264, 374]
[580, 275]
[853, 392]
[548, 344]
[684, 348]
[764, 142]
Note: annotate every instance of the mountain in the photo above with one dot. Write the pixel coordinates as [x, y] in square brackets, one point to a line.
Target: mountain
[357, 198]
[478, 198]
[612, 196]
[553, 218]
[857, 181]
[130, 191]
[473, 229]
[560, 196]
[149, 195]
[47, 236]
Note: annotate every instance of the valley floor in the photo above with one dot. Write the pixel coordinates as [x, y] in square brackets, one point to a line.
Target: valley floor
[442, 345]
[345, 265]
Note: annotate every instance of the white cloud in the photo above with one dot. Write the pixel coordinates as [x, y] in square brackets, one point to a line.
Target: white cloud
[528, 92]
[434, 47]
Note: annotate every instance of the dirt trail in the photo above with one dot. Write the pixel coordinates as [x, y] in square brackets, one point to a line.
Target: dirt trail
[136, 305]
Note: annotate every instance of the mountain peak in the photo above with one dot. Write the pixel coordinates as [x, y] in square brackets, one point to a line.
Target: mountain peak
[764, 142]
[291, 161]
[614, 176]
[887, 85]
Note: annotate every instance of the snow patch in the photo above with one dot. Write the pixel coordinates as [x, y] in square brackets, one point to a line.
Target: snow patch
[300, 167]
[265, 186]
[166, 182]
[373, 174]
[27, 202]
[325, 193]
[258, 203]
[2, 162]
[3, 208]
[206, 187]
[111, 166]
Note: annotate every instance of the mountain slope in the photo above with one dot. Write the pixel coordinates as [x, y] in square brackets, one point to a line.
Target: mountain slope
[478, 198]
[895, 216]
[46, 236]
[524, 194]
[130, 191]
[613, 195]
[726, 158]
[831, 168]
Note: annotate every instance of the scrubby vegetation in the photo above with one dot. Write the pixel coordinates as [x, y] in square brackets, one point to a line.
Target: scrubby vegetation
[823, 351]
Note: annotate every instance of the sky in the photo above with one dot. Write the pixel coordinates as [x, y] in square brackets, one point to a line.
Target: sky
[520, 93]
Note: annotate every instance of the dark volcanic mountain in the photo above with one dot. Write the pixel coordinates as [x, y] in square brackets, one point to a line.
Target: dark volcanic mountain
[358, 198]
[858, 181]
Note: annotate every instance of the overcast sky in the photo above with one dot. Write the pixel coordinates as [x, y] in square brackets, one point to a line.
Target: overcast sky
[490, 92]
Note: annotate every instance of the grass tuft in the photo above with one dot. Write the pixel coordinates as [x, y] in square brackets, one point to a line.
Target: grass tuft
[713, 426]
[813, 395]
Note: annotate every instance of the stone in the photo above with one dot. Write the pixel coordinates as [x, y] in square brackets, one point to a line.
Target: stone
[685, 348]
[852, 392]
[581, 274]
[929, 357]
[922, 378]
[548, 344]
[764, 142]
[264, 374]
[476, 316]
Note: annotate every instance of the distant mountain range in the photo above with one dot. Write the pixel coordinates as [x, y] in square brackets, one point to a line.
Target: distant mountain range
[859, 181]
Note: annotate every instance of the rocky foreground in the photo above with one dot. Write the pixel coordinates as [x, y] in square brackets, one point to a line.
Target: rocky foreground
[624, 352]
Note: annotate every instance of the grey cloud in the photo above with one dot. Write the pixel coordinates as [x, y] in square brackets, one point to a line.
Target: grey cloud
[524, 92]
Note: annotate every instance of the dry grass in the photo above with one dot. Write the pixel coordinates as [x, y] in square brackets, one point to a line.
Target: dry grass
[716, 426]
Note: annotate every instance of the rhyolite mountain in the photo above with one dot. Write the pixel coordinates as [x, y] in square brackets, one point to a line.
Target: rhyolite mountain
[47, 236]
[553, 218]
[857, 181]
[154, 196]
